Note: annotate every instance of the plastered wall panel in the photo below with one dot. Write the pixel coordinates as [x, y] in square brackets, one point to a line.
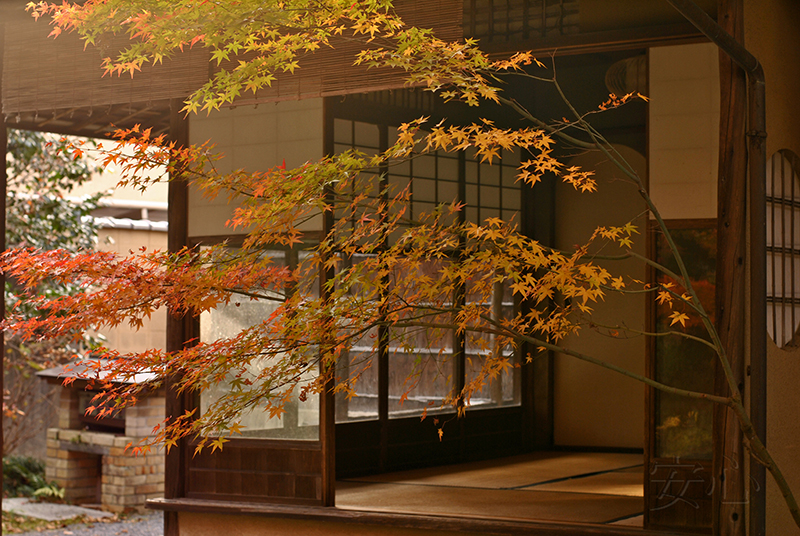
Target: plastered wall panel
[213, 127]
[254, 138]
[678, 164]
[595, 407]
[771, 34]
[252, 159]
[254, 128]
[153, 333]
[692, 202]
[300, 124]
[673, 99]
[684, 130]
[783, 433]
[683, 62]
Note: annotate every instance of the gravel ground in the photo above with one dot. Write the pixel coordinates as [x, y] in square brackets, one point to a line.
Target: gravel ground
[136, 525]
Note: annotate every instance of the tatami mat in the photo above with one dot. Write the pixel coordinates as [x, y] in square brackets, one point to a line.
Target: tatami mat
[616, 483]
[514, 472]
[572, 487]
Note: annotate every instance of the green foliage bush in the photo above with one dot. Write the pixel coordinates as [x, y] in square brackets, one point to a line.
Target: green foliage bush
[23, 476]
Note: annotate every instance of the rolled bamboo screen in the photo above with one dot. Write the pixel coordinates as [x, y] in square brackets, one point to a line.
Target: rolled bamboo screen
[43, 75]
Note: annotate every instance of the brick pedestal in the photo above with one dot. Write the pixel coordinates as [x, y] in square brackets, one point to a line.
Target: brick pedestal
[95, 467]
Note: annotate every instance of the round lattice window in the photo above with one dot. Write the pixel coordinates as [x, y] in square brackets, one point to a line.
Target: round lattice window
[783, 248]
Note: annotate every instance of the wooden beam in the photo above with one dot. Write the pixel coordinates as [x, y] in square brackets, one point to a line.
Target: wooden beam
[389, 522]
[56, 116]
[603, 41]
[729, 494]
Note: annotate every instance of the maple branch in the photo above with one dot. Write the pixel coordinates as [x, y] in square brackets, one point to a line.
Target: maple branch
[725, 401]
[622, 164]
[549, 128]
[645, 290]
[502, 329]
[681, 334]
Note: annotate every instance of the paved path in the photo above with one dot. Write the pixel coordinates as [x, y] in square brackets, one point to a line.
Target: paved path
[149, 524]
[136, 525]
[48, 511]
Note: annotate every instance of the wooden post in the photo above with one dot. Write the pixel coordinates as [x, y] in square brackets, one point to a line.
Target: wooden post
[729, 495]
[383, 330]
[178, 327]
[537, 390]
[327, 407]
[3, 180]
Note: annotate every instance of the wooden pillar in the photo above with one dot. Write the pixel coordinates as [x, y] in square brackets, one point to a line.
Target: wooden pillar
[3, 180]
[327, 409]
[729, 485]
[179, 328]
[537, 390]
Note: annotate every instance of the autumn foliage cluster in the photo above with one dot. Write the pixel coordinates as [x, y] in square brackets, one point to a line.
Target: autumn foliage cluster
[429, 272]
[324, 303]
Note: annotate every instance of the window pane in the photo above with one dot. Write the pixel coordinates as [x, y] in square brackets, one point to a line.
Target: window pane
[420, 371]
[421, 357]
[301, 418]
[359, 363]
[503, 389]
[783, 248]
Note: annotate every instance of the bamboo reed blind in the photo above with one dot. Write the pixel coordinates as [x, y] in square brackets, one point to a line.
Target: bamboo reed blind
[42, 74]
[331, 72]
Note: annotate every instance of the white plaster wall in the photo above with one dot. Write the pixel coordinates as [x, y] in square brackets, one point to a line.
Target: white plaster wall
[253, 138]
[108, 180]
[684, 130]
[154, 332]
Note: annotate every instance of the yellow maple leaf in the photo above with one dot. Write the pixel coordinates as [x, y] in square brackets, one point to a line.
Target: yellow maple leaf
[678, 317]
[217, 444]
[519, 288]
[630, 228]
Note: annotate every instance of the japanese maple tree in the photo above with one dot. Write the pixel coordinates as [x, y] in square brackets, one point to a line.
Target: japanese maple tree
[311, 328]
